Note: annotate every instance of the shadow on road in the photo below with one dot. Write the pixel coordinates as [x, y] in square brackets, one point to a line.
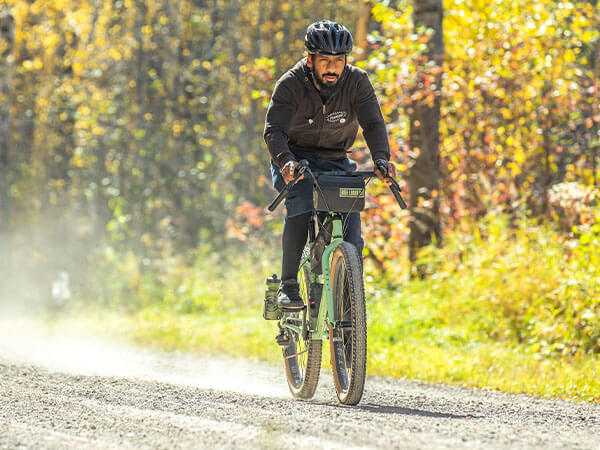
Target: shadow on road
[383, 409]
[398, 410]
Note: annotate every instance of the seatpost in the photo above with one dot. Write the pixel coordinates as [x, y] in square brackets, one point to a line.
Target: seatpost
[311, 228]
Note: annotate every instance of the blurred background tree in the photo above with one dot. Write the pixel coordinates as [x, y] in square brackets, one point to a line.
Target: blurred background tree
[131, 130]
[424, 136]
[7, 38]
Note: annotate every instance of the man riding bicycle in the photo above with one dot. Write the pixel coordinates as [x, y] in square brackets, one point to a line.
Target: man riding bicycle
[314, 114]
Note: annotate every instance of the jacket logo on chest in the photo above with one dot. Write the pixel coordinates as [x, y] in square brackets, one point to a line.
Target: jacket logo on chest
[336, 117]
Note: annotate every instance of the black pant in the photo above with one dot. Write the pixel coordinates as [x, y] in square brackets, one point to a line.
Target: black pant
[295, 233]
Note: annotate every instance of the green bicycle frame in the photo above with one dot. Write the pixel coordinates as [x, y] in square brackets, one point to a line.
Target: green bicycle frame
[317, 326]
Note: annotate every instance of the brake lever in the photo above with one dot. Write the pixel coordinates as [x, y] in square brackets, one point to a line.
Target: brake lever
[302, 166]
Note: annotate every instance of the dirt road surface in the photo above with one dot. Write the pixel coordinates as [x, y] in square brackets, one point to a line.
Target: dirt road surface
[70, 392]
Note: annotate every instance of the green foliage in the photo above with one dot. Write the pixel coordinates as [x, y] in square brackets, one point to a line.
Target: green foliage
[512, 282]
[508, 305]
[216, 283]
[518, 98]
[146, 117]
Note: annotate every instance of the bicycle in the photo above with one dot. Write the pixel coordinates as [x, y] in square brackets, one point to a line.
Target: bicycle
[331, 285]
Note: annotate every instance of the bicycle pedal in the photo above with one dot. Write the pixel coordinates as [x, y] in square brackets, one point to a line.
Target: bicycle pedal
[343, 325]
[286, 309]
[283, 340]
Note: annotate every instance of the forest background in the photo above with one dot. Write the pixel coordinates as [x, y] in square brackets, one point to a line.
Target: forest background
[132, 159]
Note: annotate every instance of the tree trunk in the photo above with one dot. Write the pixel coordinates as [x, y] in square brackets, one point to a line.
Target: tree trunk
[596, 111]
[7, 39]
[362, 28]
[595, 64]
[424, 137]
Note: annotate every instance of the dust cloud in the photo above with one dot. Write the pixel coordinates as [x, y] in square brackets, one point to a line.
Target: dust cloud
[43, 277]
[23, 341]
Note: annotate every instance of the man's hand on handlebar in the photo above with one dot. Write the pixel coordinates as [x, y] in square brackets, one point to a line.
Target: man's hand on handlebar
[385, 170]
[293, 171]
[288, 171]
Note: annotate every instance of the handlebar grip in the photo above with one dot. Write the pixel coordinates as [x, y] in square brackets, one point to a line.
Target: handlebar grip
[382, 166]
[275, 203]
[395, 188]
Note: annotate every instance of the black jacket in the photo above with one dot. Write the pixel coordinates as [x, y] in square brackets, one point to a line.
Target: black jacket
[299, 124]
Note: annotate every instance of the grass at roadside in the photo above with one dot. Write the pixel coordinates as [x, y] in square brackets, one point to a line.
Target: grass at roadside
[416, 344]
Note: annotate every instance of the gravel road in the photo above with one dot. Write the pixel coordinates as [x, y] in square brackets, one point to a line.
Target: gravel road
[73, 392]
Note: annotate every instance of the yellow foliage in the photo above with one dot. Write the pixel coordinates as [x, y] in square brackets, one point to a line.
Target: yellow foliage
[114, 54]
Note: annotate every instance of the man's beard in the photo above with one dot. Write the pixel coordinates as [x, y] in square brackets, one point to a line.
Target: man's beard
[326, 88]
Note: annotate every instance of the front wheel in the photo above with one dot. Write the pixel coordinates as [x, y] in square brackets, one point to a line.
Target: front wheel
[302, 356]
[348, 334]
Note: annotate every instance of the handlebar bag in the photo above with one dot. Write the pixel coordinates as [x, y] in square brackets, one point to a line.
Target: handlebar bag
[339, 194]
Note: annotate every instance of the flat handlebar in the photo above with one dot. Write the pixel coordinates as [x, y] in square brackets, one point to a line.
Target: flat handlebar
[303, 167]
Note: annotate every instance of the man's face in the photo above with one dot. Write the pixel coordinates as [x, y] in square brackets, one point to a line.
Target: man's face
[327, 68]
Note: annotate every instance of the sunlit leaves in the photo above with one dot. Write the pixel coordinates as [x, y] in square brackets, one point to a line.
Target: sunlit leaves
[164, 103]
[531, 79]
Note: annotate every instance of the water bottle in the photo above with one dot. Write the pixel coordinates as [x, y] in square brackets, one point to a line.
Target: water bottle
[271, 311]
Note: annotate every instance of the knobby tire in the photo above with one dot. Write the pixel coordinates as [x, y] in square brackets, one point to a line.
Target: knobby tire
[348, 339]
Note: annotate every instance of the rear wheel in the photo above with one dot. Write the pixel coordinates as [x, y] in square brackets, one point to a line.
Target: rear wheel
[348, 337]
[302, 356]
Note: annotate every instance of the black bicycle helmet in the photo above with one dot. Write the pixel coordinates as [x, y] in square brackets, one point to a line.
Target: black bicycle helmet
[329, 38]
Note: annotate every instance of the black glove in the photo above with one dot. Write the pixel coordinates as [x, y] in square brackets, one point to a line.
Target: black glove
[383, 166]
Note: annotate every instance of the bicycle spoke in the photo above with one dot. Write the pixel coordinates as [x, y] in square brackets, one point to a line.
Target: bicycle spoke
[296, 354]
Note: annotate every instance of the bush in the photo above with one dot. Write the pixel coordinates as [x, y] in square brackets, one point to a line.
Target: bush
[526, 283]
